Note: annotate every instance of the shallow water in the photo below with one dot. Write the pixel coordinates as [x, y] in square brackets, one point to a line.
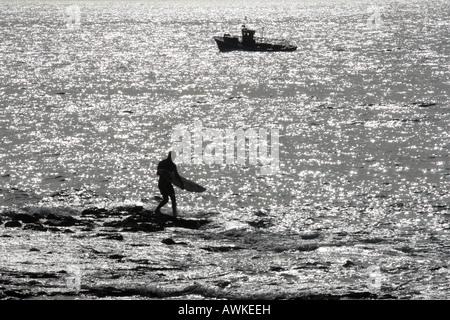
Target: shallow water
[87, 111]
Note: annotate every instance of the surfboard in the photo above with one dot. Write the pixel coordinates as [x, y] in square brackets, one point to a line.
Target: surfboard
[188, 184]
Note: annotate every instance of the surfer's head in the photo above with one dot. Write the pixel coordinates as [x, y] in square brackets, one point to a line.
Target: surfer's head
[171, 156]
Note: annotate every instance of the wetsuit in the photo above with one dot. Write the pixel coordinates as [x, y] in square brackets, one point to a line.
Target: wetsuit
[165, 186]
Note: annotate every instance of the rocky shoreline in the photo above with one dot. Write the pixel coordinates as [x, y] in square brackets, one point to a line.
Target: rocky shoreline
[136, 219]
[40, 274]
[102, 223]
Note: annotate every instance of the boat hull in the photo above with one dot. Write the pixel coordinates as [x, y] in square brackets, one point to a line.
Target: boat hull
[225, 44]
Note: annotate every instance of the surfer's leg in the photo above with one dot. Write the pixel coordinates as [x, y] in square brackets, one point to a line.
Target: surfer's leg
[162, 203]
[174, 204]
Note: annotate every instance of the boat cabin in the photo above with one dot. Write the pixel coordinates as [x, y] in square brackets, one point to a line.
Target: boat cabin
[248, 36]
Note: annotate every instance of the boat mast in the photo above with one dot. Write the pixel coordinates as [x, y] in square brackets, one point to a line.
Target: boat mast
[244, 23]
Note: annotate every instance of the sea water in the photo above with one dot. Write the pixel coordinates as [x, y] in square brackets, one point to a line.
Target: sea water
[92, 91]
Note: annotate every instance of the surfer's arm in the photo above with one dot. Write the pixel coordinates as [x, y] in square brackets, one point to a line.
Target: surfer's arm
[157, 169]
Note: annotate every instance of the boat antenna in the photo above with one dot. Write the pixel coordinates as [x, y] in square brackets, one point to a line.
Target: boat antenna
[244, 22]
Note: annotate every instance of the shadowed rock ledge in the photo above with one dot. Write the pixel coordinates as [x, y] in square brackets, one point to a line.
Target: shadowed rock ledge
[128, 219]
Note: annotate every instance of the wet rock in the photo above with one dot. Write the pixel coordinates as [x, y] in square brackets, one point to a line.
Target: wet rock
[147, 221]
[52, 216]
[19, 294]
[168, 241]
[35, 227]
[189, 224]
[98, 212]
[349, 264]
[222, 248]
[5, 281]
[308, 247]
[440, 207]
[280, 249]
[342, 234]
[350, 295]
[424, 104]
[260, 224]
[260, 213]
[13, 224]
[276, 268]
[372, 240]
[143, 226]
[405, 249]
[114, 236]
[60, 221]
[314, 265]
[116, 256]
[33, 275]
[223, 284]
[127, 210]
[310, 236]
[397, 205]
[111, 292]
[38, 216]
[139, 261]
[435, 268]
[43, 275]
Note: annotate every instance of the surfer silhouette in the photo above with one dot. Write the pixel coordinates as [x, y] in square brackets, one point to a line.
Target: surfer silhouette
[165, 167]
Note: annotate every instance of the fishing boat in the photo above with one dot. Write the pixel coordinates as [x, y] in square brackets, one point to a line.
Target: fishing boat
[248, 42]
